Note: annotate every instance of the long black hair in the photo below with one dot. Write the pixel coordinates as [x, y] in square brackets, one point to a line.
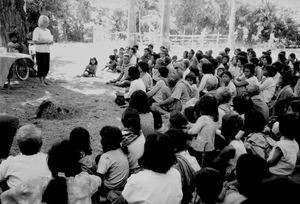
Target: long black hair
[62, 158]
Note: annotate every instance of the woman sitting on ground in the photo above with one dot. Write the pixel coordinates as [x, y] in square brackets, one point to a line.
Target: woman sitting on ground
[158, 182]
[133, 139]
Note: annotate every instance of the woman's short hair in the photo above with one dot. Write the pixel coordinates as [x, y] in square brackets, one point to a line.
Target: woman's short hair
[134, 73]
[251, 68]
[288, 126]
[131, 120]
[228, 73]
[254, 61]
[254, 122]
[208, 183]
[207, 68]
[178, 139]
[110, 138]
[192, 77]
[163, 72]
[29, 139]
[242, 59]
[158, 153]
[231, 125]
[178, 120]
[139, 101]
[271, 70]
[80, 138]
[43, 19]
[207, 105]
[144, 66]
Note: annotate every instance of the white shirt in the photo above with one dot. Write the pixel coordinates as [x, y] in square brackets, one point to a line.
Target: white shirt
[148, 187]
[287, 162]
[267, 89]
[135, 85]
[133, 60]
[205, 128]
[252, 81]
[191, 159]
[147, 79]
[186, 72]
[232, 89]
[21, 168]
[240, 149]
[204, 79]
[235, 71]
[42, 35]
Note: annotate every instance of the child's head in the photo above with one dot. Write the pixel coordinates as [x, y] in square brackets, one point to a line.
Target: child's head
[110, 138]
[139, 101]
[242, 104]
[133, 73]
[254, 122]
[226, 76]
[158, 153]
[234, 60]
[220, 71]
[231, 125]
[185, 54]
[207, 105]
[174, 58]
[93, 61]
[191, 78]
[131, 120]
[288, 126]
[62, 158]
[207, 68]
[208, 183]
[178, 139]
[241, 61]
[225, 59]
[254, 61]
[178, 120]
[147, 51]
[249, 70]
[190, 115]
[250, 171]
[163, 72]
[223, 95]
[29, 139]
[266, 60]
[143, 67]
[115, 51]
[269, 71]
[80, 138]
[13, 37]
[112, 57]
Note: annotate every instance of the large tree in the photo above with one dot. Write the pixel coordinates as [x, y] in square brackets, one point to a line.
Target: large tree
[12, 19]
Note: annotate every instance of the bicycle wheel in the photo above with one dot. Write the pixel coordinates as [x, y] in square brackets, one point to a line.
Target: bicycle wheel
[22, 72]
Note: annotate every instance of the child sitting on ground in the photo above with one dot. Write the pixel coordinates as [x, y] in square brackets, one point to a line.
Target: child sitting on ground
[91, 69]
[283, 157]
[113, 166]
[112, 64]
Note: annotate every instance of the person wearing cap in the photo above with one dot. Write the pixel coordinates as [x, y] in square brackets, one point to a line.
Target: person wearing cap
[30, 163]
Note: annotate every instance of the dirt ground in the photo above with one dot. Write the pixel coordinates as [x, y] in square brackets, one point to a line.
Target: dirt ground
[91, 96]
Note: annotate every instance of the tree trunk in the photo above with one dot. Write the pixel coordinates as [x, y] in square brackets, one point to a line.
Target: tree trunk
[165, 27]
[12, 18]
[232, 24]
[131, 23]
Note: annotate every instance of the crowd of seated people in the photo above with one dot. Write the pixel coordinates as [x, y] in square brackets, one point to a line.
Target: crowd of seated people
[200, 129]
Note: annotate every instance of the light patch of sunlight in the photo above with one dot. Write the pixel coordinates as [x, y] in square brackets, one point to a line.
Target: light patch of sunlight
[87, 91]
[37, 102]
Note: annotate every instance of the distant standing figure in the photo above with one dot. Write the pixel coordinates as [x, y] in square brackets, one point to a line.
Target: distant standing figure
[42, 39]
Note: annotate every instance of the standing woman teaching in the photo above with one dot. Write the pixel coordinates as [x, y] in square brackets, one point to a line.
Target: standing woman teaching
[42, 39]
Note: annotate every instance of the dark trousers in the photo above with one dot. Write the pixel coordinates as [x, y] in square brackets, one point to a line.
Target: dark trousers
[8, 129]
[204, 159]
[43, 63]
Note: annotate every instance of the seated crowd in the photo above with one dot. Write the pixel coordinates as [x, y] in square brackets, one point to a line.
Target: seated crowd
[195, 130]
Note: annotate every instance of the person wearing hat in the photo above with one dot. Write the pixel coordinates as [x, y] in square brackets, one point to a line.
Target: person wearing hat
[30, 163]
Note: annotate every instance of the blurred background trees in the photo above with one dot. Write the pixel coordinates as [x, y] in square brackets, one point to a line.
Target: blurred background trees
[73, 20]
